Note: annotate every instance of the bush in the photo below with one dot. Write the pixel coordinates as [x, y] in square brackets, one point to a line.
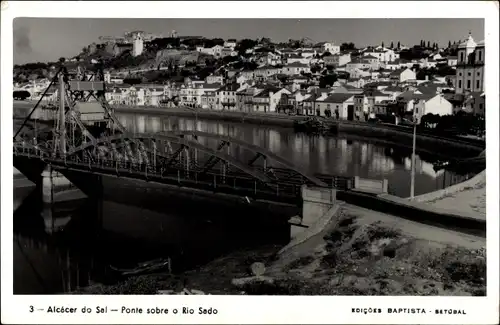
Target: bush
[141, 285]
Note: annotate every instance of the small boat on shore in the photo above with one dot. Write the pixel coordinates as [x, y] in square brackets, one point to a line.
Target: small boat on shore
[311, 125]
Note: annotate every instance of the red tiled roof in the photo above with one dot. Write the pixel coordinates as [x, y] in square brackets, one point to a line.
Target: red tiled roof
[338, 98]
[297, 65]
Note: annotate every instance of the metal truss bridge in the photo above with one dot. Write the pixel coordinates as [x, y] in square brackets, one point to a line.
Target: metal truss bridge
[87, 138]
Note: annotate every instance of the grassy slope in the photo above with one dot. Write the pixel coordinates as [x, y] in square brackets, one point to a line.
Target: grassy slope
[358, 255]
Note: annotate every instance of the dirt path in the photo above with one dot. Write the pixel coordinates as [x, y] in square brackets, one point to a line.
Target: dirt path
[417, 230]
[471, 201]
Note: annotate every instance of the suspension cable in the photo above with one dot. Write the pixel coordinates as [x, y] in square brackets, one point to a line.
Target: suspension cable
[34, 108]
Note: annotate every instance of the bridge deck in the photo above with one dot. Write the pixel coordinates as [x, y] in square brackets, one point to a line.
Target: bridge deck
[285, 186]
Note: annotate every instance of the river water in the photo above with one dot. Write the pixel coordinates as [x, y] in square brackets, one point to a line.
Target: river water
[60, 247]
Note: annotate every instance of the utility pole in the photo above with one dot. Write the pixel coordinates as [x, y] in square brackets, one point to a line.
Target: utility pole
[412, 181]
[62, 117]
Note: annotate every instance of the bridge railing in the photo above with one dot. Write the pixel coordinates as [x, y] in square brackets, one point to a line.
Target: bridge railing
[284, 183]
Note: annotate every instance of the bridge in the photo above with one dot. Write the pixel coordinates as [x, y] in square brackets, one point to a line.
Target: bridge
[86, 142]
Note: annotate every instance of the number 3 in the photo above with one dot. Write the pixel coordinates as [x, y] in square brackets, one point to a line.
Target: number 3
[31, 309]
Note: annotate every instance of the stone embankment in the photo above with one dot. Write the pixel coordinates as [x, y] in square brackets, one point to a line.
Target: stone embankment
[395, 134]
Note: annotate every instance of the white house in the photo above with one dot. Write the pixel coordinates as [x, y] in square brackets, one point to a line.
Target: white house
[153, 96]
[295, 68]
[295, 58]
[336, 105]
[268, 99]
[382, 54]
[226, 97]
[401, 75]
[432, 104]
[452, 61]
[358, 64]
[337, 60]
[214, 79]
[230, 43]
[266, 71]
[329, 47]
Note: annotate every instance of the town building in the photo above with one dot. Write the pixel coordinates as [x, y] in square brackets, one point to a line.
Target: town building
[382, 54]
[226, 97]
[337, 60]
[402, 75]
[231, 43]
[295, 68]
[330, 47]
[338, 105]
[470, 67]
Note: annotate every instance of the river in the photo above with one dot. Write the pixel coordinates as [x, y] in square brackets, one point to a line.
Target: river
[137, 224]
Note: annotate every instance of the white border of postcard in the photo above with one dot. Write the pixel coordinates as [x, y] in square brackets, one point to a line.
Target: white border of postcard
[253, 309]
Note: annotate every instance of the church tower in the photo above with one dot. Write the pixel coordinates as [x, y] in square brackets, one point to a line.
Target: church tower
[470, 67]
[138, 45]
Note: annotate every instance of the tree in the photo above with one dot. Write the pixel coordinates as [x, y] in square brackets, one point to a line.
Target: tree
[326, 54]
[265, 40]
[132, 81]
[347, 46]
[392, 44]
[428, 44]
[399, 45]
[449, 44]
[21, 94]
[327, 80]
[244, 45]
[382, 44]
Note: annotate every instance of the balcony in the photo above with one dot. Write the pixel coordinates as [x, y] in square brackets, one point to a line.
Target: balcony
[230, 104]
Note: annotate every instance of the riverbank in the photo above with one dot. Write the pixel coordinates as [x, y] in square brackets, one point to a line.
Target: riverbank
[391, 133]
[394, 134]
[361, 253]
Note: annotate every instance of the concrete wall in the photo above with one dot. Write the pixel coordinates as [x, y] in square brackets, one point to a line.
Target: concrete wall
[313, 230]
[317, 202]
[371, 185]
[404, 136]
[415, 211]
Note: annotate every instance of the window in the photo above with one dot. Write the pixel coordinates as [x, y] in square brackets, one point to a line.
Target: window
[469, 74]
[480, 55]
[460, 74]
[481, 107]
[460, 84]
[478, 73]
[461, 56]
[468, 84]
[478, 84]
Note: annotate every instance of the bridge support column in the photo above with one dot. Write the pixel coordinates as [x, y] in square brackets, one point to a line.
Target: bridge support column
[57, 188]
[47, 185]
[316, 202]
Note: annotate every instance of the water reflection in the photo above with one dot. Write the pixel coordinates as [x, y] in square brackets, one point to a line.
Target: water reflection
[329, 155]
[60, 247]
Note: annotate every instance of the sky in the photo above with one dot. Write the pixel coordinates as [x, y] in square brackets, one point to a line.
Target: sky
[48, 39]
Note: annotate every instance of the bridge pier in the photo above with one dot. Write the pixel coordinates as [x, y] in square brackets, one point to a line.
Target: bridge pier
[316, 202]
[57, 188]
